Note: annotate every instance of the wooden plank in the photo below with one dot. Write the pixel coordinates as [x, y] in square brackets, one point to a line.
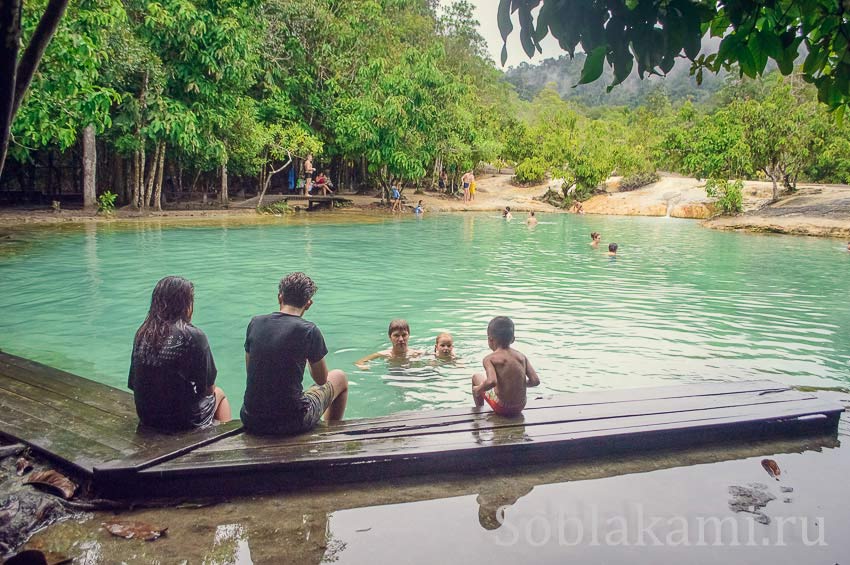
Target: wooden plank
[164, 447]
[669, 392]
[485, 419]
[467, 443]
[56, 442]
[104, 397]
[48, 419]
[71, 408]
[796, 436]
[83, 423]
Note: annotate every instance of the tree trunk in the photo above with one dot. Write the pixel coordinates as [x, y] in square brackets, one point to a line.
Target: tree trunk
[15, 78]
[224, 195]
[268, 178]
[160, 165]
[10, 40]
[150, 177]
[89, 168]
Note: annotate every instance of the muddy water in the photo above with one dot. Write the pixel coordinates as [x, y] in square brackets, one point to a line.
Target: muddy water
[701, 506]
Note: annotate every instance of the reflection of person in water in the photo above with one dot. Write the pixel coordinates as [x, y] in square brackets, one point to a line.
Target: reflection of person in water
[498, 492]
[492, 503]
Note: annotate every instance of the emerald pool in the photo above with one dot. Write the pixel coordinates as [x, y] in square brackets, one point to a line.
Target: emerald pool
[679, 303]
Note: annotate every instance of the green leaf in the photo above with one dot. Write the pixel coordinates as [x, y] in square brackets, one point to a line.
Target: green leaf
[592, 68]
[504, 20]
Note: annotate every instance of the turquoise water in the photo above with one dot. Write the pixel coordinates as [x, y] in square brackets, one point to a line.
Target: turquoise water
[679, 304]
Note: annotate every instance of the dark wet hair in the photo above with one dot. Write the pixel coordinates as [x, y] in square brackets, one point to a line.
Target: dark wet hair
[612, 247]
[501, 329]
[170, 302]
[398, 325]
[532, 213]
[296, 289]
[594, 234]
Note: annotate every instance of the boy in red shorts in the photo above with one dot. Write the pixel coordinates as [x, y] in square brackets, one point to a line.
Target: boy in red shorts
[507, 372]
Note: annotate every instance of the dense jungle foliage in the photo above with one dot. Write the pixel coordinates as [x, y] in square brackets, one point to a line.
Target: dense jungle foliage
[184, 94]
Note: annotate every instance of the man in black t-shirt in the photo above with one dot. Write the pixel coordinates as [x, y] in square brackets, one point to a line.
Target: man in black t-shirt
[278, 346]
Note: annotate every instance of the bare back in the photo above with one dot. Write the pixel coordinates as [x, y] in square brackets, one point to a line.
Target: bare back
[511, 374]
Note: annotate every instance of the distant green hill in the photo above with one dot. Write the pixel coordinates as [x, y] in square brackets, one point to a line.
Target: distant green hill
[564, 72]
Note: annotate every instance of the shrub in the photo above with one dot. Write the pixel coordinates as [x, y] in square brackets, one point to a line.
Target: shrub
[276, 209]
[637, 180]
[106, 203]
[530, 171]
[730, 195]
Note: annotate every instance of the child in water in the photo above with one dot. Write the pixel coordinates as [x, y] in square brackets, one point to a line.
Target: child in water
[444, 347]
[595, 238]
[399, 333]
[507, 372]
[506, 213]
[612, 250]
[419, 210]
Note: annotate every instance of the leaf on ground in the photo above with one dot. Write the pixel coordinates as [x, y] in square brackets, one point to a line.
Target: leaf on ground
[53, 482]
[129, 529]
[23, 466]
[771, 467]
[37, 557]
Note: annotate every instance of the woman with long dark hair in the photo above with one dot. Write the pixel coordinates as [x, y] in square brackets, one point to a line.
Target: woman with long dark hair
[172, 372]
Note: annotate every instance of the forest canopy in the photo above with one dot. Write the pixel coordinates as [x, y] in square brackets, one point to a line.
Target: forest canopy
[210, 97]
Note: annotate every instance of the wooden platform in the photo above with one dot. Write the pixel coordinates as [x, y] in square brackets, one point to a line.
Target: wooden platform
[81, 423]
[313, 201]
[93, 428]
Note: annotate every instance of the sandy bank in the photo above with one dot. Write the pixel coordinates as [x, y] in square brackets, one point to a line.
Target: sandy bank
[493, 193]
[816, 210]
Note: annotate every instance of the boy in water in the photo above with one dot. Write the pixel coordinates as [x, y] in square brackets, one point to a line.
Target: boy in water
[531, 221]
[419, 210]
[507, 372]
[612, 250]
[506, 213]
[399, 334]
[444, 347]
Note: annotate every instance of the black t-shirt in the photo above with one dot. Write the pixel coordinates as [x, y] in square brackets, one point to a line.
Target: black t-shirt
[170, 385]
[279, 346]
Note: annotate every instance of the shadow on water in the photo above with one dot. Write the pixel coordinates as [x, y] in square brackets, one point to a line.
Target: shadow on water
[661, 507]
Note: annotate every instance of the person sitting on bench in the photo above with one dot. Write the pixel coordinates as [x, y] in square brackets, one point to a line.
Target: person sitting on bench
[278, 347]
[322, 184]
[172, 372]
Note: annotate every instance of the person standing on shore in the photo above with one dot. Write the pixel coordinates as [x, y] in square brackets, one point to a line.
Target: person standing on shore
[308, 174]
[466, 181]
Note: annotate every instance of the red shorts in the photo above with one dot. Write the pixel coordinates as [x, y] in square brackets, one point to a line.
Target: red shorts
[499, 407]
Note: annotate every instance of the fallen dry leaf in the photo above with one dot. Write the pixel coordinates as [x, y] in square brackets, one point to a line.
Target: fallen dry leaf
[23, 466]
[771, 467]
[129, 529]
[53, 481]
